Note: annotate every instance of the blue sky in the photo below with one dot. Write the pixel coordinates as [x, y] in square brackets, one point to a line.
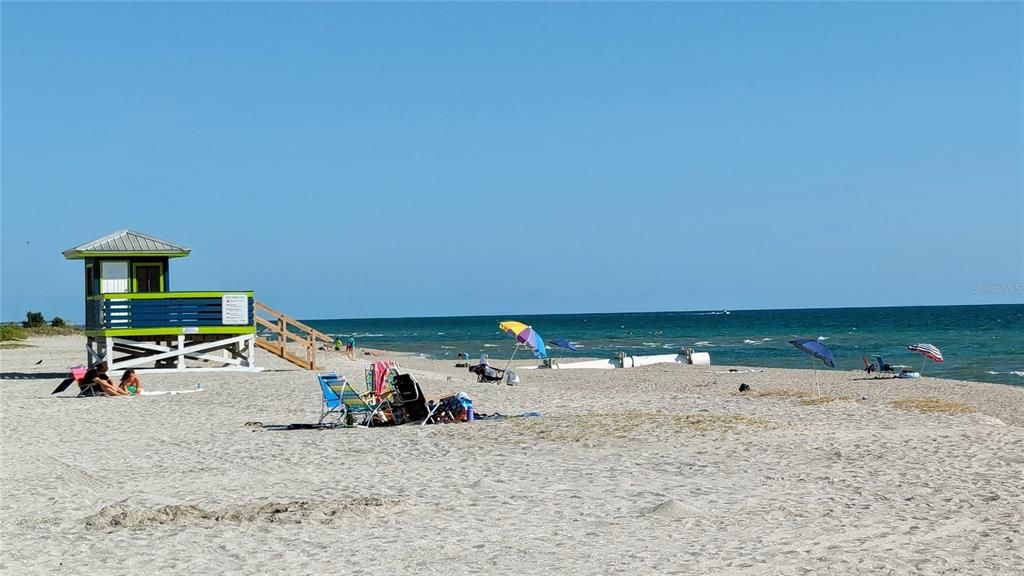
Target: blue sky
[351, 160]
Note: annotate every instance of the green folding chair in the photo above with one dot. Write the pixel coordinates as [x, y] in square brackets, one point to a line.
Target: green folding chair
[355, 403]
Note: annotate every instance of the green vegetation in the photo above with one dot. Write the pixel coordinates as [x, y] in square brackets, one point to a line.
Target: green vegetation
[34, 320]
[45, 330]
[10, 332]
[35, 325]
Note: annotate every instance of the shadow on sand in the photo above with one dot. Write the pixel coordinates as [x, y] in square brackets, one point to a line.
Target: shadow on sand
[33, 375]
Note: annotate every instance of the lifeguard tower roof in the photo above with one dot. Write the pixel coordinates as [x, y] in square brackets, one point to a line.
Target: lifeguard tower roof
[126, 243]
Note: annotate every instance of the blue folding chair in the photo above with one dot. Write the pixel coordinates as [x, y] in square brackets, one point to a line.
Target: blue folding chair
[330, 396]
[340, 398]
[883, 367]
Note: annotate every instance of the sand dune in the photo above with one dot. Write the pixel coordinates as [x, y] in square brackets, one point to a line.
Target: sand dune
[655, 470]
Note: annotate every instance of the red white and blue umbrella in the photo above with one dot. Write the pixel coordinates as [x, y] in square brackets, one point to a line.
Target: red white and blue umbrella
[927, 350]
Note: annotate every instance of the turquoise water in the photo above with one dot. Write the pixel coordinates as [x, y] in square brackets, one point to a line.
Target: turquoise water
[981, 343]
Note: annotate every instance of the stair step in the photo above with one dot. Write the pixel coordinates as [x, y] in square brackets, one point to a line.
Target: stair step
[310, 340]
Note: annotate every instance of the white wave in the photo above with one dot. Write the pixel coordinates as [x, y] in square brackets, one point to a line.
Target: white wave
[1017, 373]
[490, 345]
[440, 333]
[821, 338]
[993, 372]
[751, 341]
[703, 343]
[447, 347]
[360, 335]
[654, 344]
[766, 339]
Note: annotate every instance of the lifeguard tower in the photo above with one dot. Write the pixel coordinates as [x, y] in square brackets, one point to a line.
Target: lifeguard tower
[134, 320]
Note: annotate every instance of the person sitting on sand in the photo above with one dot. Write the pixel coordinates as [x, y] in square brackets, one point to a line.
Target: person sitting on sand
[130, 382]
[97, 383]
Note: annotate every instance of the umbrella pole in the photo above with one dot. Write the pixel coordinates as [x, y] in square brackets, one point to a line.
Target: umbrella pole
[509, 363]
[815, 368]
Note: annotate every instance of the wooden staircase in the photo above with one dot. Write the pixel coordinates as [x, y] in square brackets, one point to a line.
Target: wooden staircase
[288, 334]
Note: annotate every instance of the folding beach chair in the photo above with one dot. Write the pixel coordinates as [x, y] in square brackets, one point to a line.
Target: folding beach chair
[487, 373]
[77, 373]
[413, 403]
[355, 403]
[883, 367]
[406, 400]
[330, 394]
[386, 371]
[869, 367]
[341, 399]
[445, 409]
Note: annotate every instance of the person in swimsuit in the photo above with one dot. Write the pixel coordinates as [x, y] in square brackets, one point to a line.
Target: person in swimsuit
[130, 382]
[97, 383]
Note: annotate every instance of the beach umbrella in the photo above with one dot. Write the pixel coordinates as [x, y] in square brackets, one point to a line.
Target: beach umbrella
[817, 350]
[525, 336]
[563, 343]
[928, 351]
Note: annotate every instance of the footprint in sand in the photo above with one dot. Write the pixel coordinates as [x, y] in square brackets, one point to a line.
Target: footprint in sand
[484, 484]
[671, 508]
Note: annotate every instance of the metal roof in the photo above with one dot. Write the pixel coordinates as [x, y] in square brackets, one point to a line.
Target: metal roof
[127, 243]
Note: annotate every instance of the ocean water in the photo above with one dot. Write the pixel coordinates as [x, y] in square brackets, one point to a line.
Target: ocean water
[980, 343]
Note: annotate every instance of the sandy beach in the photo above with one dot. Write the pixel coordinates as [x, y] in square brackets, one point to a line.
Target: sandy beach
[657, 470]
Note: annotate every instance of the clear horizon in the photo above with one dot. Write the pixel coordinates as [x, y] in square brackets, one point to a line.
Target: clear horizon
[357, 161]
[513, 314]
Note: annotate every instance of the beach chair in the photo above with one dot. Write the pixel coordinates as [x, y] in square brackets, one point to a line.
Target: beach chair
[406, 400]
[340, 399]
[883, 367]
[330, 394]
[85, 389]
[356, 403]
[383, 371]
[77, 373]
[413, 404]
[487, 373]
[869, 367]
[446, 409]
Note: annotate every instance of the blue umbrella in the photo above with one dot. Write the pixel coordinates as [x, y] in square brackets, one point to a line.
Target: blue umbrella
[817, 350]
[563, 343]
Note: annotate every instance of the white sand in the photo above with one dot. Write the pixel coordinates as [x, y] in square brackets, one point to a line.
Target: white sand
[657, 470]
